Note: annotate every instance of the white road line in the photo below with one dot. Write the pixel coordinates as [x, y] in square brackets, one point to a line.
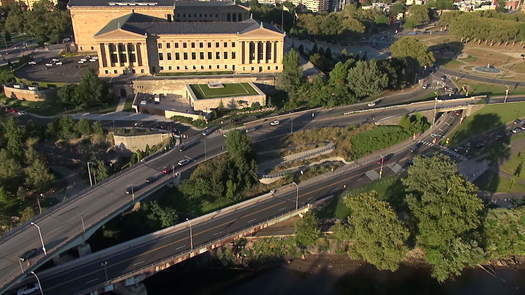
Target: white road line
[138, 262]
[180, 247]
[251, 220]
[90, 281]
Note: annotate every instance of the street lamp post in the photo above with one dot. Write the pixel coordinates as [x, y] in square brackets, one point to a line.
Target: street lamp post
[20, 263]
[38, 281]
[381, 169]
[506, 95]
[296, 195]
[191, 234]
[435, 110]
[41, 239]
[291, 126]
[105, 266]
[89, 173]
[38, 202]
[133, 194]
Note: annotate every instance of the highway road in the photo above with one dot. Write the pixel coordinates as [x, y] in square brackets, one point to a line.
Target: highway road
[64, 223]
[110, 263]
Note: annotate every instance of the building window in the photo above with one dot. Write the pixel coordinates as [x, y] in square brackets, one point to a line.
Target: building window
[201, 45]
[168, 45]
[160, 45]
[162, 68]
[142, 71]
[115, 71]
[92, 48]
[226, 66]
[185, 56]
[225, 44]
[233, 55]
[217, 44]
[192, 44]
[193, 56]
[225, 55]
[209, 67]
[202, 67]
[185, 67]
[178, 68]
[194, 68]
[217, 55]
[169, 68]
[201, 55]
[176, 45]
[217, 67]
[184, 45]
[209, 44]
[209, 55]
[233, 67]
[168, 55]
[177, 56]
[106, 71]
[160, 56]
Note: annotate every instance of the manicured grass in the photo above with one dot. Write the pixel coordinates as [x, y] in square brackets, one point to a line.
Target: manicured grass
[389, 189]
[48, 107]
[477, 88]
[202, 91]
[518, 68]
[489, 117]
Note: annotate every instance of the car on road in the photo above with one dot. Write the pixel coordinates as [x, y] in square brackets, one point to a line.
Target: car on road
[32, 62]
[385, 158]
[208, 131]
[425, 86]
[517, 122]
[132, 189]
[152, 178]
[184, 162]
[28, 289]
[371, 104]
[30, 254]
[167, 170]
[274, 123]
[516, 130]
[182, 148]
[20, 113]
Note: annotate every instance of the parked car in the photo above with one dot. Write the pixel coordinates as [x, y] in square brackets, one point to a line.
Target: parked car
[274, 123]
[30, 254]
[28, 289]
[208, 131]
[517, 122]
[184, 162]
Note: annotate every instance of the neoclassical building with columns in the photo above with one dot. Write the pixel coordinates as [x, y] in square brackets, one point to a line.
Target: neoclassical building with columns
[167, 37]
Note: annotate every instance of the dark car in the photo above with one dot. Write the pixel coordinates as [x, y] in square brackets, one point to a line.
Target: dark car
[182, 148]
[30, 254]
[151, 179]
[167, 170]
[208, 131]
[131, 190]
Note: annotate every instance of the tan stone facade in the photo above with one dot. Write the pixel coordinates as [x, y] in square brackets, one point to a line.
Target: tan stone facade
[233, 102]
[162, 39]
[30, 94]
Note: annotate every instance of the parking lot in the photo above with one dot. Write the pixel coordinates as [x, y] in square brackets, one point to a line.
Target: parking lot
[58, 69]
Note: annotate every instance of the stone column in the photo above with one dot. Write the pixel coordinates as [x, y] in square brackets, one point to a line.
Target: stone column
[107, 51]
[256, 56]
[117, 49]
[278, 52]
[271, 47]
[101, 55]
[247, 52]
[138, 54]
[263, 43]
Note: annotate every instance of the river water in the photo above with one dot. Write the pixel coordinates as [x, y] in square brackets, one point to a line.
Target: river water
[335, 275]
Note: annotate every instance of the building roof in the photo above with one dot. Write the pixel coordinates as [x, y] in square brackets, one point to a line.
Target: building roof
[171, 3]
[144, 24]
[207, 7]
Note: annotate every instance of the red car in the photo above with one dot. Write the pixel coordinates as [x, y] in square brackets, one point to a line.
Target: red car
[167, 170]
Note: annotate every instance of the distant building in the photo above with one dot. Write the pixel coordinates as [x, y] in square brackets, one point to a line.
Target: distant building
[30, 3]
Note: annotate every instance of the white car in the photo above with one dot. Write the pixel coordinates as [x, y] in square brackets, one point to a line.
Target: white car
[274, 123]
[183, 162]
[32, 62]
[59, 63]
[81, 61]
[371, 104]
[55, 60]
[27, 289]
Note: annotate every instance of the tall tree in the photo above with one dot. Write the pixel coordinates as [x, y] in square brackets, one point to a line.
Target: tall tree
[411, 47]
[367, 79]
[448, 212]
[307, 230]
[292, 76]
[503, 230]
[372, 241]
[417, 15]
[92, 91]
[14, 135]
[38, 176]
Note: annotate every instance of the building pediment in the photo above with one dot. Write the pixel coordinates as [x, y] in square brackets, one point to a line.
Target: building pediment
[120, 34]
[262, 33]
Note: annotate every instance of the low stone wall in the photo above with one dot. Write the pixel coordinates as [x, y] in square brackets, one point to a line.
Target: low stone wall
[232, 102]
[168, 114]
[139, 142]
[27, 94]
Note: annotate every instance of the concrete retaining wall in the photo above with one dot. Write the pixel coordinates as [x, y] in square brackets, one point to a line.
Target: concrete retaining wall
[139, 142]
[26, 94]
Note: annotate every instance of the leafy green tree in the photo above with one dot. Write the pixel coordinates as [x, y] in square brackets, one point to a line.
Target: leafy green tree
[367, 79]
[67, 95]
[503, 232]
[101, 171]
[411, 47]
[92, 91]
[417, 15]
[307, 230]
[441, 4]
[14, 136]
[160, 216]
[84, 127]
[38, 176]
[97, 128]
[292, 76]
[67, 128]
[10, 170]
[372, 241]
[397, 8]
[7, 206]
[447, 211]
[415, 123]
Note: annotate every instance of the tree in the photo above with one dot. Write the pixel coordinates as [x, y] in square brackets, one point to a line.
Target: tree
[66, 128]
[307, 230]
[10, 170]
[101, 171]
[397, 8]
[367, 79]
[503, 232]
[372, 241]
[160, 217]
[92, 91]
[417, 15]
[97, 128]
[441, 4]
[410, 47]
[84, 127]
[292, 76]
[14, 136]
[239, 146]
[67, 95]
[448, 213]
[38, 176]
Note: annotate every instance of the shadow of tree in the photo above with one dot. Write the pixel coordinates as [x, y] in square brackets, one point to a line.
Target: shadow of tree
[445, 52]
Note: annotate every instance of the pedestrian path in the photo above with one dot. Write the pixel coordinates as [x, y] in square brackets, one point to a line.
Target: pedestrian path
[121, 104]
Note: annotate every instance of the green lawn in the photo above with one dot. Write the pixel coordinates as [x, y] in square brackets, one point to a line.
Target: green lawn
[389, 189]
[478, 88]
[202, 91]
[489, 117]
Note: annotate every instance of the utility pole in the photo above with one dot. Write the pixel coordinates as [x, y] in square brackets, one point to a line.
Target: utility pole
[41, 238]
[191, 234]
[381, 169]
[38, 281]
[104, 265]
[296, 195]
[89, 173]
[435, 110]
[506, 94]
[38, 202]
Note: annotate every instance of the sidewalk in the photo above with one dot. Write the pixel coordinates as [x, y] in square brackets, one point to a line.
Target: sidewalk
[113, 116]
